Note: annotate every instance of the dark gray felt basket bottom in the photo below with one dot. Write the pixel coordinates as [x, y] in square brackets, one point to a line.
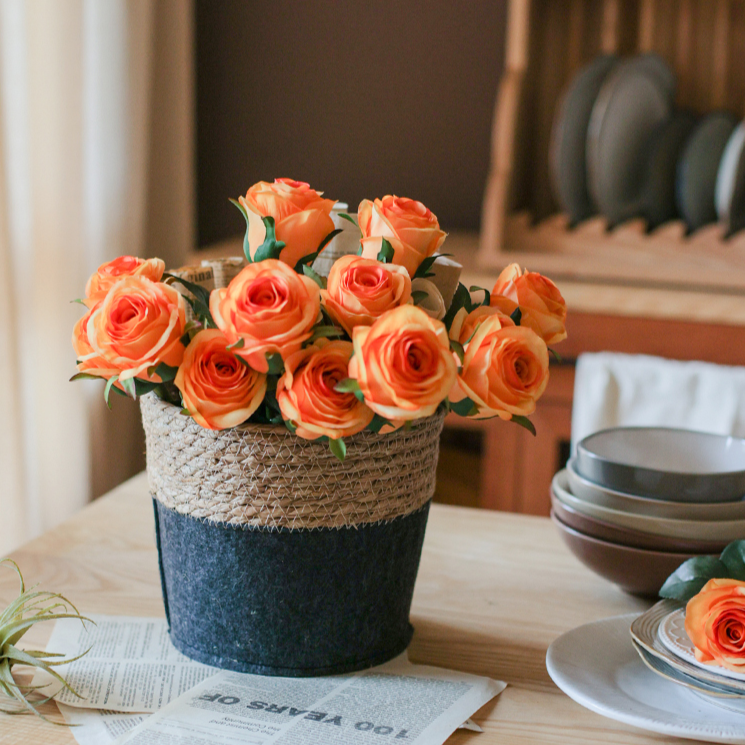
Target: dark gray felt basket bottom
[289, 602]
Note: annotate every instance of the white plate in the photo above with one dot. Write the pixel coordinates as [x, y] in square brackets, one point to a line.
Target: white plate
[583, 488]
[704, 530]
[673, 635]
[597, 667]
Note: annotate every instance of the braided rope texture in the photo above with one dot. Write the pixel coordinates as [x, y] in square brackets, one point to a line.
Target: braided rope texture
[263, 476]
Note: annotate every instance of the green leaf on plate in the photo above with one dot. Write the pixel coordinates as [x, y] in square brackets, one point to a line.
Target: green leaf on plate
[688, 579]
[733, 557]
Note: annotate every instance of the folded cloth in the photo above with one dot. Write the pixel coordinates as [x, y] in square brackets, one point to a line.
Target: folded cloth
[613, 390]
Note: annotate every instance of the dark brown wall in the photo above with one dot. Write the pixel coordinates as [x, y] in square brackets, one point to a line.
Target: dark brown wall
[360, 99]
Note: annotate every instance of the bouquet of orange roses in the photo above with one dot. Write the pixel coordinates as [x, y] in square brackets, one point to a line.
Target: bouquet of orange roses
[328, 357]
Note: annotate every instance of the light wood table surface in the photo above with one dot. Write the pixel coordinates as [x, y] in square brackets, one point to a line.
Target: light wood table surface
[494, 590]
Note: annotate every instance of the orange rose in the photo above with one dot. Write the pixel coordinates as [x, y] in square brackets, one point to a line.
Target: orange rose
[410, 228]
[541, 304]
[125, 266]
[403, 364]
[301, 218]
[505, 367]
[715, 623]
[307, 394]
[270, 307]
[137, 326]
[464, 324]
[361, 290]
[217, 388]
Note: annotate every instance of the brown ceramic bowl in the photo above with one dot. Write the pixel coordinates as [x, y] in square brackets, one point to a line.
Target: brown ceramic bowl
[634, 570]
[605, 531]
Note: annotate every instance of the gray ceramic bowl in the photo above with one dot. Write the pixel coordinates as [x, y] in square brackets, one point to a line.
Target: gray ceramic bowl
[634, 570]
[663, 463]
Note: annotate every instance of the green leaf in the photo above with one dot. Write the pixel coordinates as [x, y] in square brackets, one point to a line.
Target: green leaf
[107, 389]
[308, 259]
[487, 294]
[308, 271]
[129, 386]
[688, 579]
[271, 247]
[321, 332]
[516, 316]
[733, 557]
[200, 303]
[246, 247]
[292, 427]
[350, 385]
[185, 412]
[377, 423]
[84, 376]
[524, 422]
[360, 250]
[167, 372]
[418, 296]
[79, 300]
[423, 268]
[464, 407]
[461, 299]
[276, 363]
[386, 252]
[556, 355]
[236, 344]
[457, 347]
[144, 386]
[338, 448]
[349, 218]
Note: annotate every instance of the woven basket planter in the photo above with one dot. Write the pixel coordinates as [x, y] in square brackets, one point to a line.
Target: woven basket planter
[276, 558]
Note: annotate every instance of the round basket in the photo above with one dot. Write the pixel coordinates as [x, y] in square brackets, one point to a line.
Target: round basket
[275, 557]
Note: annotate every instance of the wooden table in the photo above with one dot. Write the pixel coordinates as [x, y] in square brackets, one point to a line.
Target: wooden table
[494, 590]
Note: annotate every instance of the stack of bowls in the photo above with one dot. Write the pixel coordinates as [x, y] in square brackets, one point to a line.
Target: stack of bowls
[636, 502]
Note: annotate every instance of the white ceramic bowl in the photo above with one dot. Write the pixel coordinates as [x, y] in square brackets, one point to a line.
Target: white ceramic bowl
[589, 491]
[663, 463]
[704, 530]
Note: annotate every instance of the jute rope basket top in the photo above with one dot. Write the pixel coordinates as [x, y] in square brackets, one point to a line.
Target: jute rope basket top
[264, 476]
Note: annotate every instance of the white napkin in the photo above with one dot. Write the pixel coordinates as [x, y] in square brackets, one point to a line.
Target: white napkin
[625, 390]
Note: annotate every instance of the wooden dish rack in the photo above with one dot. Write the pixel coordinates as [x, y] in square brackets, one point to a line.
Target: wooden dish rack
[548, 41]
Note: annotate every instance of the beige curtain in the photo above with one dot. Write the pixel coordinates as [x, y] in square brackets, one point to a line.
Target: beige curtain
[95, 161]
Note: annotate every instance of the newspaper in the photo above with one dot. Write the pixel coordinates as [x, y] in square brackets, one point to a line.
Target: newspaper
[92, 727]
[397, 702]
[131, 666]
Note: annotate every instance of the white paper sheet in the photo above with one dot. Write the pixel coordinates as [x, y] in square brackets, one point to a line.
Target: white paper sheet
[398, 702]
[131, 666]
[93, 727]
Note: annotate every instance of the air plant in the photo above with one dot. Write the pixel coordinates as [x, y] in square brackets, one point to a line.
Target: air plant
[29, 608]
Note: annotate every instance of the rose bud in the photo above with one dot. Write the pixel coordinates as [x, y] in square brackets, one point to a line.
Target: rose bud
[218, 390]
[307, 394]
[542, 307]
[302, 219]
[715, 623]
[136, 327]
[412, 230]
[464, 324]
[360, 290]
[403, 364]
[125, 266]
[505, 367]
[267, 309]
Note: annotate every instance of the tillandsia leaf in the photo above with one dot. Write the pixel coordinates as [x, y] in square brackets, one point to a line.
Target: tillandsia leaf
[308, 259]
[419, 296]
[461, 299]
[457, 347]
[524, 422]
[464, 407]
[516, 316]
[271, 248]
[349, 218]
[308, 271]
[556, 355]
[107, 389]
[338, 448]
[349, 385]
[487, 294]
[386, 251]
[29, 608]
